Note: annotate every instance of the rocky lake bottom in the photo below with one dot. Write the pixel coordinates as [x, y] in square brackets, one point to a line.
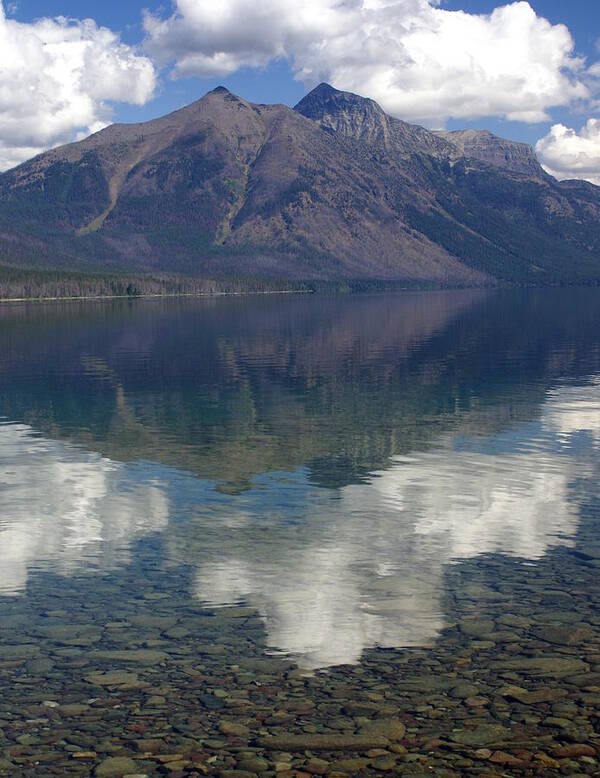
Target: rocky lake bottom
[127, 675]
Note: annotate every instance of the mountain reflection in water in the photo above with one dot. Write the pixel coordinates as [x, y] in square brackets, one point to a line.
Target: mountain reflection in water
[322, 459]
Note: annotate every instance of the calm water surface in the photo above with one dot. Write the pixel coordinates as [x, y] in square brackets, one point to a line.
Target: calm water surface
[303, 535]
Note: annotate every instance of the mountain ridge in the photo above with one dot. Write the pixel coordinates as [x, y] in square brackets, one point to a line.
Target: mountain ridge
[333, 189]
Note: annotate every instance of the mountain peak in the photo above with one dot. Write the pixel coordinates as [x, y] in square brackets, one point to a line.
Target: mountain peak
[325, 98]
[222, 93]
[346, 113]
[323, 89]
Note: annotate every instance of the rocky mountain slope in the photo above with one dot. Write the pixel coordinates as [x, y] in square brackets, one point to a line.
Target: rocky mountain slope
[334, 189]
[506, 154]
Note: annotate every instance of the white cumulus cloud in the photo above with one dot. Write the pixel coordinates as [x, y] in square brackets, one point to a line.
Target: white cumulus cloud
[420, 61]
[58, 78]
[566, 153]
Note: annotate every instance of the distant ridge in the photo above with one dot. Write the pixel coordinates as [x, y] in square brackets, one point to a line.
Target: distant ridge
[333, 190]
[486, 147]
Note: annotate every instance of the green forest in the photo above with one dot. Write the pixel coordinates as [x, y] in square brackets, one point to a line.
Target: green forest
[30, 284]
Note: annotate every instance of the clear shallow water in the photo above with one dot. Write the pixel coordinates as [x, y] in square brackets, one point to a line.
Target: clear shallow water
[301, 515]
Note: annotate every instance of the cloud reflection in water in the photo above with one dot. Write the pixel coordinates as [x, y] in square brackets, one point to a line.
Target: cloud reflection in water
[331, 571]
[67, 510]
[367, 566]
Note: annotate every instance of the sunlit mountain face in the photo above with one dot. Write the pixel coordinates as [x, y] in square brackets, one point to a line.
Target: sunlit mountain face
[324, 462]
[335, 192]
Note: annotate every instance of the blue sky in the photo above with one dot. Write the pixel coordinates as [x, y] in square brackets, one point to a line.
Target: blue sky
[450, 70]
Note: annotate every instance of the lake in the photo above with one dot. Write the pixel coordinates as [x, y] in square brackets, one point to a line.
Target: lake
[311, 535]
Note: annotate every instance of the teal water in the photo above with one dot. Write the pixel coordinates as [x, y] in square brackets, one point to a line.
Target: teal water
[303, 515]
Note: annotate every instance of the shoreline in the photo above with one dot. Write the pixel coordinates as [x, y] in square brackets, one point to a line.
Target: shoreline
[258, 292]
[150, 296]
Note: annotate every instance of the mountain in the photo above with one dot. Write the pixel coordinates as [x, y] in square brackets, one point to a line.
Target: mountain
[332, 190]
[364, 120]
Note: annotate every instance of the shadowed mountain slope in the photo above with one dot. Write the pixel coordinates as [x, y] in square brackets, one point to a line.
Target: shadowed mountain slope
[334, 189]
